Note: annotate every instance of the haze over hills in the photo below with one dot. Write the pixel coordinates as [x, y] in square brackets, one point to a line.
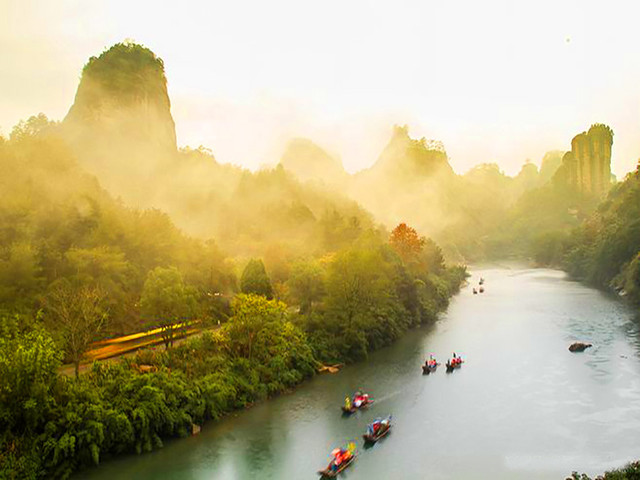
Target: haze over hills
[469, 214]
[107, 228]
[121, 129]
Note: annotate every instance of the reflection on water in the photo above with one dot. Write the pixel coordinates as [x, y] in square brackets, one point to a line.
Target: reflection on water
[522, 406]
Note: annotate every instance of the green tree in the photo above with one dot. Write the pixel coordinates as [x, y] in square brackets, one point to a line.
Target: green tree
[431, 257]
[251, 314]
[306, 284]
[357, 280]
[78, 315]
[20, 278]
[28, 368]
[167, 302]
[255, 279]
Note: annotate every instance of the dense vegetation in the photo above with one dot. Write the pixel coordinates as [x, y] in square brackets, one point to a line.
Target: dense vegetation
[630, 471]
[120, 129]
[78, 265]
[359, 299]
[605, 250]
[310, 279]
[57, 223]
[52, 425]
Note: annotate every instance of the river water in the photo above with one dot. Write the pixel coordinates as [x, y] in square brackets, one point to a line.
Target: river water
[522, 406]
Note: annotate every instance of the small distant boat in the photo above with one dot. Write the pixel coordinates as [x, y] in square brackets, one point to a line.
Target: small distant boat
[328, 473]
[385, 427]
[452, 366]
[427, 369]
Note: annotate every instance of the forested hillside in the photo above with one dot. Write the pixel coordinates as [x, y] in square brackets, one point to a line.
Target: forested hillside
[605, 250]
[59, 225]
[302, 276]
[120, 128]
[470, 215]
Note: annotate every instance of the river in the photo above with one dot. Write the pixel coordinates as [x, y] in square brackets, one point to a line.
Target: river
[522, 406]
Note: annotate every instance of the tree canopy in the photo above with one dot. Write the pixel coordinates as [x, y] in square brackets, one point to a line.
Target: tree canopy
[167, 303]
[255, 280]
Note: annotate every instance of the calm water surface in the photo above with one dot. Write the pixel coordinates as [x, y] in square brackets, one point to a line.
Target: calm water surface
[522, 406]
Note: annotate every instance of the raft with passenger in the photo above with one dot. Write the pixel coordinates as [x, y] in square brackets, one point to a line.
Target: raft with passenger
[430, 365]
[359, 400]
[427, 369]
[454, 363]
[376, 430]
[342, 458]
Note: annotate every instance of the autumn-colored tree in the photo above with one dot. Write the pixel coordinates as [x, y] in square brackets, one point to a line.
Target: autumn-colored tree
[406, 241]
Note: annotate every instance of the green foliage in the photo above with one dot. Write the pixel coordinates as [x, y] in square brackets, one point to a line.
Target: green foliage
[55, 426]
[28, 369]
[66, 245]
[306, 284]
[52, 427]
[252, 315]
[631, 471]
[255, 279]
[127, 71]
[167, 303]
[549, 248]
[372, 297]
[57, 223]
[604, 250]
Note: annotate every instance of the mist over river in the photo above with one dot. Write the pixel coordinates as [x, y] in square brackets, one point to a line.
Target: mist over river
[522, 406]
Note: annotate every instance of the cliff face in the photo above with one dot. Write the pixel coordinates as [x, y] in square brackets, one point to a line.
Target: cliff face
[120, 125]
[587, 167]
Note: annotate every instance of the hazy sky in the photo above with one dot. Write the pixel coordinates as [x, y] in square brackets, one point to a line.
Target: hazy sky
[496, 81]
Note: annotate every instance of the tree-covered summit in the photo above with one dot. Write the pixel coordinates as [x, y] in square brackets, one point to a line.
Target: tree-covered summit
[127, 71]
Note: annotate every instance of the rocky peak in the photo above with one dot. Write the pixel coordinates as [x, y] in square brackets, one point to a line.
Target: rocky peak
[413, 159]
[120, 124]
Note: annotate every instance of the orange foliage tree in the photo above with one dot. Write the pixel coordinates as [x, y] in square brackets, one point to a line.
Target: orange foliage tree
[406, 241]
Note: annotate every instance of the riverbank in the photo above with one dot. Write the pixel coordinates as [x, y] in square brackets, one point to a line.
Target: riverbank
[117, 408]
[500, 416]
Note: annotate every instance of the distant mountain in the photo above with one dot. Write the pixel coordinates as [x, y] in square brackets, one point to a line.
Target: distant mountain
[405, 159]
[121, 129]
[307, 161]
[407, 183]
[549, 166]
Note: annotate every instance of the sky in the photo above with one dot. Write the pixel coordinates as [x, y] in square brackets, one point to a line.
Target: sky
[494, 80]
